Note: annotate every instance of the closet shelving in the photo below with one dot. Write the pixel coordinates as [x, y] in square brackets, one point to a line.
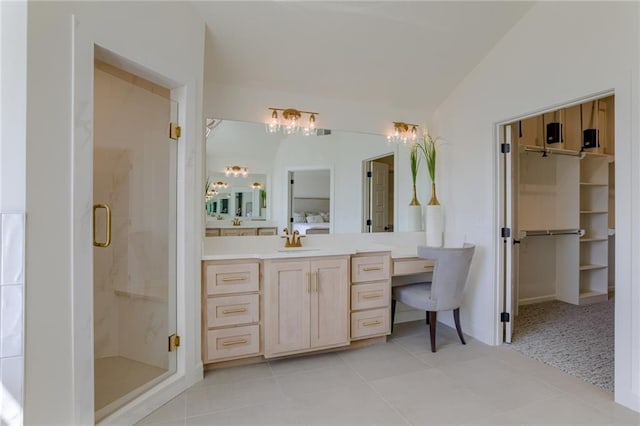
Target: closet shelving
[562, 205]
[594, 205]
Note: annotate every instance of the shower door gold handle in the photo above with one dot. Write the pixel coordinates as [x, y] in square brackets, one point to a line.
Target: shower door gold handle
[107, 242]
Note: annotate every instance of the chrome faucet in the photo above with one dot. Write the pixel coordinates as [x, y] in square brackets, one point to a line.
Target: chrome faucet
[293, 240]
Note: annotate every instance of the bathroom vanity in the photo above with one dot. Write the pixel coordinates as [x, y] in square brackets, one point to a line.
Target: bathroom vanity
[264, 301]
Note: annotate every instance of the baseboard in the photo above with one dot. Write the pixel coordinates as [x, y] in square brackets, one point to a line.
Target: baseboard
[538, 299]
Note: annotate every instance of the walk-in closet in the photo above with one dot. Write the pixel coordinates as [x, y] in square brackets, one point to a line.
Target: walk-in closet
[560, 201]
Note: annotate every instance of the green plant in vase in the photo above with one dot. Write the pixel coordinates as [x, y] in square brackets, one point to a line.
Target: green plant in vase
[263, 198]
[414, 160]
[428, 148]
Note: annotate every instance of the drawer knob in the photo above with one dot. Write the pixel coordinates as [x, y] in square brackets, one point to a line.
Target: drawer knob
[371, 323]
[372, 296]
[372, 268]
[234, 310]
[228, 279]
[235, 342]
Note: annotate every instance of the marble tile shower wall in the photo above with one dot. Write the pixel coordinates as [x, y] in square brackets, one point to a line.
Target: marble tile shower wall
[11, 318]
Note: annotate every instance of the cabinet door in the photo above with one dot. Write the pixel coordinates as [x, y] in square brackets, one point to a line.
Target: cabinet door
[286, 306]
[329, 302]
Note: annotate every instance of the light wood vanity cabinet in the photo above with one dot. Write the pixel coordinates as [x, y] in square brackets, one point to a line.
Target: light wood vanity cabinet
[230, 310]
[306, 304]
[240, 231]
[370, 295]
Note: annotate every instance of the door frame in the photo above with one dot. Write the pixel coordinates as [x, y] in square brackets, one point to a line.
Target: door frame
[366, 190]
[502, 300]
[189, 368]
[288, 194]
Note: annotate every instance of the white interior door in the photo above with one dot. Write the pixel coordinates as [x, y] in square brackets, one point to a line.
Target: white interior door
[379, 197]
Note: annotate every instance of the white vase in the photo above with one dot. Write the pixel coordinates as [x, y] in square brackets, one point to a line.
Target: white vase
[415, 218]
[434, 225]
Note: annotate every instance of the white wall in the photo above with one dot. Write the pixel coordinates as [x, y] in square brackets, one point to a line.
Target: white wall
[312, 183]
[559, 52]
[13, 99]
[166, 38]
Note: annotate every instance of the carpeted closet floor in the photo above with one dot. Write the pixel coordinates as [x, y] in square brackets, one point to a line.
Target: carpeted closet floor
[578, 340]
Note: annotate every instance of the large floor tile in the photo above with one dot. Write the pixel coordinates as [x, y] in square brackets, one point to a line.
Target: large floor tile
[272, 413]
[173, 412]
[415, 387]
[319, 381]
[444, 407]
[557, 410]
[218, 397]
[373, 369]
[306, 363]
[511, 393]
[350, 405]
[236, 374]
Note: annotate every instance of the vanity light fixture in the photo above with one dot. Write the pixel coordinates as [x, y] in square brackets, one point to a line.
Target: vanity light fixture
[403, 133]
[236, 171]
[256, 185]
[290, 122]
[219, 184]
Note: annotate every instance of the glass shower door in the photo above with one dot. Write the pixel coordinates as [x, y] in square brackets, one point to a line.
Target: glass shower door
[134, 254]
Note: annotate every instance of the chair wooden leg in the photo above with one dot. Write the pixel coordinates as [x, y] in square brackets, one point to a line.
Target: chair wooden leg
[393, 313]
[432, 329]
[427, 315]
[456, 319]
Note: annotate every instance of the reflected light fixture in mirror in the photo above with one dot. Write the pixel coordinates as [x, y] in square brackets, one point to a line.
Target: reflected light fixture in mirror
[403, 133]
[236, 171]
[290, 123]
[256, 185]
[219, 184]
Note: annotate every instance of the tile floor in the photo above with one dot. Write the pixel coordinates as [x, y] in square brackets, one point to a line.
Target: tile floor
[396, 383]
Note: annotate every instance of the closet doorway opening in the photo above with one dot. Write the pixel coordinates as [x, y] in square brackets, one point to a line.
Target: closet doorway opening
[378, 194]
[134, 236]
[557, 231]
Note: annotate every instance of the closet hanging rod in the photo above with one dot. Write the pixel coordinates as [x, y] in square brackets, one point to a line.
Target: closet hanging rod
[552, 151]
[549, 232]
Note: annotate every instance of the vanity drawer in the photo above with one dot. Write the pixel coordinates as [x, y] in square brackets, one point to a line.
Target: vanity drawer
[232, 310]
[233, 342]
[267, 231]
[237, 232]
[369, 323]
[372, 295]
[231, 278]
[212, 232]
[412, 266]
[370, 268]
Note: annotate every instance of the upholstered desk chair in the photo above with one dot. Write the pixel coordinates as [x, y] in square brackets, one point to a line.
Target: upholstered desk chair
[444, 292]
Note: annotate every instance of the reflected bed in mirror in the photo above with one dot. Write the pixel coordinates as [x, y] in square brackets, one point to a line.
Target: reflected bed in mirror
[274, 156]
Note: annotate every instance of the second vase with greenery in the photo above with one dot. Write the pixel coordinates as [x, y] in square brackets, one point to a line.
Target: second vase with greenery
[434, 212]
[415, 209]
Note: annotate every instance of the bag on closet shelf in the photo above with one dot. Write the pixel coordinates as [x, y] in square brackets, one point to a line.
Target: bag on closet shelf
[591, 136]
[554, 130]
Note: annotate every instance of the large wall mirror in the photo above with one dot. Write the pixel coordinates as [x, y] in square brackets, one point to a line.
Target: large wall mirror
[329, 170]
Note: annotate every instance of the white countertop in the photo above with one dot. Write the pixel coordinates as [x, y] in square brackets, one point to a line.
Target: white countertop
[400, 244]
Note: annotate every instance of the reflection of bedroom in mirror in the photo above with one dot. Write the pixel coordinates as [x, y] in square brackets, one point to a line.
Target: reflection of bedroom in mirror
[310, 201]
[378, 194]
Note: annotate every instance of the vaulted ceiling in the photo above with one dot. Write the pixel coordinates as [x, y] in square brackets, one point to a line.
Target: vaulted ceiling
[407, 55]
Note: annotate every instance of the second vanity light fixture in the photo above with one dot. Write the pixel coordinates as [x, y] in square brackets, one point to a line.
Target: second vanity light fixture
[403, 133]
[236, 171]
[290, 121]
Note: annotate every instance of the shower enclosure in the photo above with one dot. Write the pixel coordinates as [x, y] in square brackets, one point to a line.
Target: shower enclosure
[134, 232]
